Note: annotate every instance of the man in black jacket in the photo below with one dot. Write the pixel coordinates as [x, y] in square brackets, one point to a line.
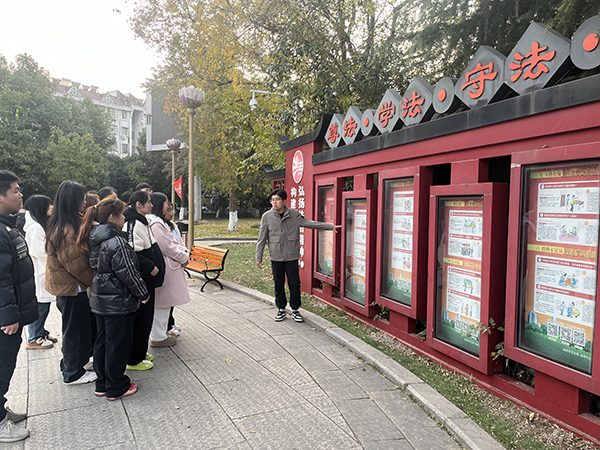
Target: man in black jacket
[18, 305]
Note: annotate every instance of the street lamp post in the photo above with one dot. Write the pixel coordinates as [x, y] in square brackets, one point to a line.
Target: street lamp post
[192, 98]
[173, 145]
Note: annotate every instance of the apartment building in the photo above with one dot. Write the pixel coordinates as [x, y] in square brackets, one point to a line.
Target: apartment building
[126, 111]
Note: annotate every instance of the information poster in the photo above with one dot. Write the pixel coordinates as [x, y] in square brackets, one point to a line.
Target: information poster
[397, 250]
[326, 208]
[460, 252]
[355, 267]
[558, 282]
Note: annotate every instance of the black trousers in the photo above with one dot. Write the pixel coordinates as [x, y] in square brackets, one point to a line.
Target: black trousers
[9, 348]
[142, 325]
[111, 352]
[281, 269]
[78, 331]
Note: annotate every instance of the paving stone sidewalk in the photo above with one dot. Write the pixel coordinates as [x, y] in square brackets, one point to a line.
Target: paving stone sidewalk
[239, 380]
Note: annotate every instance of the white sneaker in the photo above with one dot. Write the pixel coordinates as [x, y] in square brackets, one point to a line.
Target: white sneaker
[176, 328]
[9, 432]
[87, 377]
[173, 332]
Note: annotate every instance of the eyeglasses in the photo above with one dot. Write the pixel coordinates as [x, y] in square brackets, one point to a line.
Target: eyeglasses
[273, 200]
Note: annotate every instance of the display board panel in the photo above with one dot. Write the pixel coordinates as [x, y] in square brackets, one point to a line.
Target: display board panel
[559, 253]
[398, 240]
[325, 238]
[459, 271]
[355, 263]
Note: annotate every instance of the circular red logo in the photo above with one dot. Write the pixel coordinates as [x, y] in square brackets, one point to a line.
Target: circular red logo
[297, 166]
[590, 42]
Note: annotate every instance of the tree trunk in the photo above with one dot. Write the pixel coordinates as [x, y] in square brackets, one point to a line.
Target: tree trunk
[233, 209]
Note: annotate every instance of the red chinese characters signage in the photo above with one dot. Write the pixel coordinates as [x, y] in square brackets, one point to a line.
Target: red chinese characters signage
[476, 79]
[333, 133]
[350, 127]
[411, 107]
[385, 113]
[532, 61]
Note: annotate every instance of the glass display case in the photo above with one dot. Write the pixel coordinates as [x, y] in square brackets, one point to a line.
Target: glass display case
[358, 248]
[398, 240]
[459, 256]
[401, 281]
[467, 253]
[326, 259]
[559, 262]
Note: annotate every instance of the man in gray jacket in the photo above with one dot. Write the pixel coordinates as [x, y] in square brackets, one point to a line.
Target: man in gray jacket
[280, 227]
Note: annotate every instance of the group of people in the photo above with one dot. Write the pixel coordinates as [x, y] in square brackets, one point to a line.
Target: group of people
[115, 271]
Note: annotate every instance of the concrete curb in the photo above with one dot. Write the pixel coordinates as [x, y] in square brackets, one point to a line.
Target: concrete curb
[470, 435]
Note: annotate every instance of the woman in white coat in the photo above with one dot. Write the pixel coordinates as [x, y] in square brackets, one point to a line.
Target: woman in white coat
[174, 291]
[38, 209]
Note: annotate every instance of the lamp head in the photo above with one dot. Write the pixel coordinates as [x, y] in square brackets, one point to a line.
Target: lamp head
[253, 103]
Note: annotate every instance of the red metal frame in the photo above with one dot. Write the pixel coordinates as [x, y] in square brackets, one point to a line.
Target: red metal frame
[422, 181]
[492, 275]
[338, 184]
[582, 152]
[368, 309]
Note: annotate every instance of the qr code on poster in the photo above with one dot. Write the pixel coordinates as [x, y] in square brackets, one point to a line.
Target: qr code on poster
[552, 329]
[566, 334]
[579, 337]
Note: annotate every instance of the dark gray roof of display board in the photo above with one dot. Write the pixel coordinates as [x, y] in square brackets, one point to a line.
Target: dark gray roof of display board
[573, 93]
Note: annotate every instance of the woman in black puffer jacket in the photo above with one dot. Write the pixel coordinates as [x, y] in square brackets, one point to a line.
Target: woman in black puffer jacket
[117, 290]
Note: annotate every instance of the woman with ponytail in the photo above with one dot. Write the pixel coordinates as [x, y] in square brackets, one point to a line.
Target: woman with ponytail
[117, 291]
[68, 275]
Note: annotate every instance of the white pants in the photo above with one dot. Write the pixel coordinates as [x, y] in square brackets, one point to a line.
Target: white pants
[160, 324]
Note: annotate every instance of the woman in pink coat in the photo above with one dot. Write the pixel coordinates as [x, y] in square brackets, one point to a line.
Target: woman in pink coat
[174, 290]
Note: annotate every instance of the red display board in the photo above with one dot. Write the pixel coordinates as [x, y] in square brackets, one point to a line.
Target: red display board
[557, 240]
[326, 263]
[402, 249]
[398, 240]
[557, 306]
[467, 232]
[358, 248]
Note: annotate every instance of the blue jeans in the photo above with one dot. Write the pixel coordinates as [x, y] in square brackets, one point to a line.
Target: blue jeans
[36, 329]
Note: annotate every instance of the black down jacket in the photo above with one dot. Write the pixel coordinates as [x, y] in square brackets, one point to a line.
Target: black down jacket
[17, 285]
[118, 287]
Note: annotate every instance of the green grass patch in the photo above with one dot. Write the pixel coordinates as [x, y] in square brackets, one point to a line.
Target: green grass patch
[241, 268]
[246, 228]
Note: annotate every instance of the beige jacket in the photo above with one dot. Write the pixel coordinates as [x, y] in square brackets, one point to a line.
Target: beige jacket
[68, 268]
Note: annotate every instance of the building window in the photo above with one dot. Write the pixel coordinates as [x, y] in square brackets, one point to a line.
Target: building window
[125, 149]
[124, 114]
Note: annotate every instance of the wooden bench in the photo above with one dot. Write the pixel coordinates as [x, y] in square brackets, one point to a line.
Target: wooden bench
[209, 261]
